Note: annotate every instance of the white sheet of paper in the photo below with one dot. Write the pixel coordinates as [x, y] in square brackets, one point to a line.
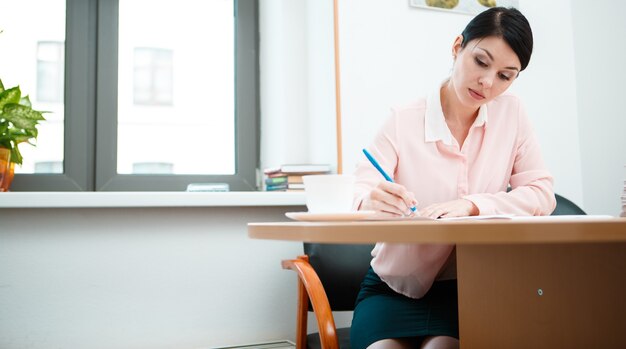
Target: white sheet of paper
[463, 218]
[497, 216]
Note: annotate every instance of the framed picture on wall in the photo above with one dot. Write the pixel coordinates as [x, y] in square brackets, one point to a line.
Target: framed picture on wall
[471, 7]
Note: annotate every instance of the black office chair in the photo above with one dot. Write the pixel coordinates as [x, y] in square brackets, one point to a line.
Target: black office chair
[566, 207]
[330, 276]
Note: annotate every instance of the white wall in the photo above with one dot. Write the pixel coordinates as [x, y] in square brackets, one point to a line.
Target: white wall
[282, 82]
[297, 82]
[599, 31]
[142, 278]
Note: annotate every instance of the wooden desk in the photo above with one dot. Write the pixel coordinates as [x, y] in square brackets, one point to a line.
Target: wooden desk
[548, 282]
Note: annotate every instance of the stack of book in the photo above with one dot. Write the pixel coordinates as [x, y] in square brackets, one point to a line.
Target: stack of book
[289, 177]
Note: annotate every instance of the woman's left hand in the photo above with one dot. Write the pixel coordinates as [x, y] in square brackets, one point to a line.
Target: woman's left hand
[454, 208]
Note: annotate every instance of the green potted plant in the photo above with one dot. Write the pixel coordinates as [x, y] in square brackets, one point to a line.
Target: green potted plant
[18, 124]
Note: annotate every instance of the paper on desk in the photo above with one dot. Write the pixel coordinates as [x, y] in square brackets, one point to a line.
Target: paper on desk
[530, 218]
[478, 218]
[498, 216]
[562, 218]
[462, 218]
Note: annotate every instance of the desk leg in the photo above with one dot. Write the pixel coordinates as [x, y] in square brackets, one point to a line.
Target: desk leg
[542, 296]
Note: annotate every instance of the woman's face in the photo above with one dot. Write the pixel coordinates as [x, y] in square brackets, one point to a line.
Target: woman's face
[483, 70]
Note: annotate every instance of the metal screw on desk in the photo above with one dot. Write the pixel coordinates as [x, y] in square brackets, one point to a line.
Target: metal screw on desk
[540, 292]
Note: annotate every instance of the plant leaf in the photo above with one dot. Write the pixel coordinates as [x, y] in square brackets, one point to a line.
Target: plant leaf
[25, 101]
[5, 142]
[18, 121]
[21, 116]
[11, 95]
[24, 111]
[16, 156]
[21, 139]
[19, 136]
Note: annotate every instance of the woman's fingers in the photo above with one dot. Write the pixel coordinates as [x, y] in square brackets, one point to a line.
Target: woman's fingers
[388, 202]
[454, 208]
[382, 208]
[386, 210]
[404, 200]
[432, 211]
[393, 199]
[390, 198]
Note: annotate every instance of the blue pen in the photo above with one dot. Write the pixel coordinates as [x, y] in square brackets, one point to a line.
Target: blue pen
[380, 169]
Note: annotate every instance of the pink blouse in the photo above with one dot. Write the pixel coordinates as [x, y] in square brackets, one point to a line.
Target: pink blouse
[417, 149]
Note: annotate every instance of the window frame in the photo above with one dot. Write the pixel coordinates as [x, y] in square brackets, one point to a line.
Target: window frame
[90, 127]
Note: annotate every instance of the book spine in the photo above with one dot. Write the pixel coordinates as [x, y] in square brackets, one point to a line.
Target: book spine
[276, 174]
[281, 186]
[275, 180]
[272, 170]
[294, 179]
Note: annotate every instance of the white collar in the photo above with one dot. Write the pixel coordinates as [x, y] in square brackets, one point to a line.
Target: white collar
[435, 126]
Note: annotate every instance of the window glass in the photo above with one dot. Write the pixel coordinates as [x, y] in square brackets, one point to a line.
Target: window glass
[176, 93]
[32, 45]
[152, 78]
[50, 71]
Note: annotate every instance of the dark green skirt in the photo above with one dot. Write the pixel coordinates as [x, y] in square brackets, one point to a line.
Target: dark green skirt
[382, 313]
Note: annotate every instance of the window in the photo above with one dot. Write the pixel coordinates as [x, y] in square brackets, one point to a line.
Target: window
[154, 106]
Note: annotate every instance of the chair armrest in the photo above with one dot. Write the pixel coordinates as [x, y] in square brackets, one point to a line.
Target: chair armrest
[311, 288]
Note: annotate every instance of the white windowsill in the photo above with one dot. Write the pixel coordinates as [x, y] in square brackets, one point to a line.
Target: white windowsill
[148, 199]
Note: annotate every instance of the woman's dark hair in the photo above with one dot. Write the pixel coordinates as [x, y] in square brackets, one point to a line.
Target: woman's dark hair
[507, 23]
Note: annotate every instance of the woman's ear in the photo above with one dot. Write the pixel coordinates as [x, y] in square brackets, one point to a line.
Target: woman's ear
[456, 46]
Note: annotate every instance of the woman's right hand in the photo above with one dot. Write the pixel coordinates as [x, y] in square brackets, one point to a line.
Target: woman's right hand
[389, 199]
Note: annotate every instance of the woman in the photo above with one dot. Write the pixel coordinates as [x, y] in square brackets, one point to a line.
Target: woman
[451, 154]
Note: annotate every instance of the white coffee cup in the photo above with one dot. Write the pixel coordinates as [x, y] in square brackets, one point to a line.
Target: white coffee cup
[329, 193]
